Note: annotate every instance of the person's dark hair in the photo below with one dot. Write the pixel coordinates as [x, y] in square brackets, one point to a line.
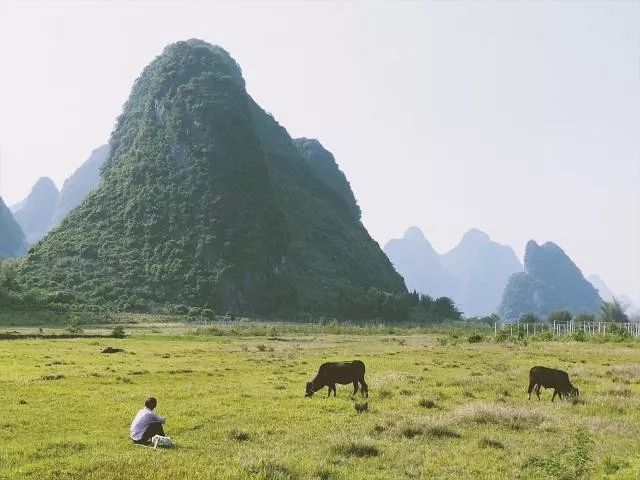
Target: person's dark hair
[151, 403]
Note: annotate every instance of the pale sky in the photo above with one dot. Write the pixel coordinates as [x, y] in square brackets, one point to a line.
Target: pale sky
[518, 118]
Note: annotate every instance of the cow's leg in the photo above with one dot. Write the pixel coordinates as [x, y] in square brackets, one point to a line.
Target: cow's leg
[332, 387]
[355, 388]
[537, 390]
[555, 392]
[560, 395]
[530, 389]
[364, 388]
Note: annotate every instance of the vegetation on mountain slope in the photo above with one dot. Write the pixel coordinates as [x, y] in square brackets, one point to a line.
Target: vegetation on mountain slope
[206, 201]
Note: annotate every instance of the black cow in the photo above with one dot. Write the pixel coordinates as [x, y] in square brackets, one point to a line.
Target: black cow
[550, 378]
[339, 372]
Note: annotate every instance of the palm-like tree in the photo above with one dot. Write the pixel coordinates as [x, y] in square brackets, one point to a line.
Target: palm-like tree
[613, 311]
[529, 318]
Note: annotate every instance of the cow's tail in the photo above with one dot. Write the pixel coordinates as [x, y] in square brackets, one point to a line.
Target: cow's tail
[532, 383]
[364, 388]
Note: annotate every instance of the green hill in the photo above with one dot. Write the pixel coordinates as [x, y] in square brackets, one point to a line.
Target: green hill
[205, 200]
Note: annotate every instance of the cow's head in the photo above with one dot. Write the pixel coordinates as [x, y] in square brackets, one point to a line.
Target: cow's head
[309, 392]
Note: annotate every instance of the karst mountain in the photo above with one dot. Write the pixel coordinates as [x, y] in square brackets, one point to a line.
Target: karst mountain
[551, 281]
[206, 200]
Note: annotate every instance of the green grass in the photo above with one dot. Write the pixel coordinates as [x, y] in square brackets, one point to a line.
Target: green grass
[236, 409]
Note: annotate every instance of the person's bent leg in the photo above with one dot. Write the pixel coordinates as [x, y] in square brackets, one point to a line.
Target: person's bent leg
[152, 430]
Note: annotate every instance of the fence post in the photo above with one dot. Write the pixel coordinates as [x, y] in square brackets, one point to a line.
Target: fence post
[554, 328]
[495, 328]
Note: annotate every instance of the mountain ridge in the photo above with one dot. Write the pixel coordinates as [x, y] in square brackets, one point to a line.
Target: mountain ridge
[79, 184]
[473, 273]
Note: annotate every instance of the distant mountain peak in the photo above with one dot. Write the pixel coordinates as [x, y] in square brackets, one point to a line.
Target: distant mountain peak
[35, 212]
[421, 266]
[608, 295]
[12, 240]
[475, 236]
[45, 182]
[82, 182]
[473, 273]
[549, 252]
[603, 289]
[551, 281]
[531, 246]
[548, 247]
[414, 234]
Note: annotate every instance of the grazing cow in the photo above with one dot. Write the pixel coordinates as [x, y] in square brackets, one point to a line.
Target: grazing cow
[339, 372]
[550, 378]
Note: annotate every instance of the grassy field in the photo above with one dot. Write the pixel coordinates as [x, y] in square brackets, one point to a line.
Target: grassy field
[236, 409]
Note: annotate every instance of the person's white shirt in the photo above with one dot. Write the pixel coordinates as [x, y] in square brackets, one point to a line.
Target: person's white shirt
[141, 421]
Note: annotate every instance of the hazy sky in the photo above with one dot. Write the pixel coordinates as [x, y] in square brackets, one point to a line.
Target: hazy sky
[518, 118]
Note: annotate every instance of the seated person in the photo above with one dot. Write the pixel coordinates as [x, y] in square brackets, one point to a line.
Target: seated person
[146, 423]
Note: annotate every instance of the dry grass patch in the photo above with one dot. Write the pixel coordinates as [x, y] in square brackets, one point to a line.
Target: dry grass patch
[517, 418]
[600, 425]
[387, 380]
[624, 373]
[623, 392]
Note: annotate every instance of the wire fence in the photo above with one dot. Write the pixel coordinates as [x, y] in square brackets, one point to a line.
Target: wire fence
[569, 328]
[556, 329]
